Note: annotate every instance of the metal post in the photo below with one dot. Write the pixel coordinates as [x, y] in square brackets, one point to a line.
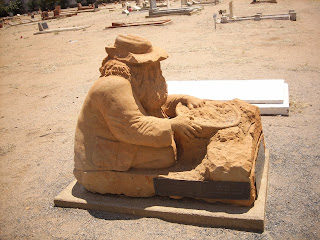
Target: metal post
[215, 20]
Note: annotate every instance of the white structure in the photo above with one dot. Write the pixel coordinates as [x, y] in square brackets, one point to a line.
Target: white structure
[271, 96]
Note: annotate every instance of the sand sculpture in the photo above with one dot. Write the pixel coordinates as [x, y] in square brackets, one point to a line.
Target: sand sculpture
[130, 131]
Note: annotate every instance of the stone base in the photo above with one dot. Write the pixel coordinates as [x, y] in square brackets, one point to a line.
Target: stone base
[186, 211]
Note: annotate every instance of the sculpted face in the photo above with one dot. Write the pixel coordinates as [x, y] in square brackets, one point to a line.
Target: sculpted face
[146, 79]
[148, 82]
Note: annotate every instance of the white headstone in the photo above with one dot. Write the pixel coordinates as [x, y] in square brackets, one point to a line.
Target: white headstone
[153, 4]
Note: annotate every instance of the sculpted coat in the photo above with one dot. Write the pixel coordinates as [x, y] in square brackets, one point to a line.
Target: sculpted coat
[114, 131]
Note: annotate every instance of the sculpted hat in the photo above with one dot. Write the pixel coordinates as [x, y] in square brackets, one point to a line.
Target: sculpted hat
[135, 50]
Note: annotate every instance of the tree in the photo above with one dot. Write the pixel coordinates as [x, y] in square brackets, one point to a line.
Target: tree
[3, 10]
[63, 3]
[15, 7]
[33, 5]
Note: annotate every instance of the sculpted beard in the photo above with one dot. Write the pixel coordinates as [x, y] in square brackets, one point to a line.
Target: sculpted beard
[147, 82]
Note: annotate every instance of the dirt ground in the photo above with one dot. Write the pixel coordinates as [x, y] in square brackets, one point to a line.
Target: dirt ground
[45, 78]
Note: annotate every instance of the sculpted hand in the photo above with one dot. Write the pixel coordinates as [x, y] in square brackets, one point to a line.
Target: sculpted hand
[193, 102]
[185, 127]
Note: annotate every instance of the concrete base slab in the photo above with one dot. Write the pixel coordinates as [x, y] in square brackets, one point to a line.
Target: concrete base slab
[186, 211]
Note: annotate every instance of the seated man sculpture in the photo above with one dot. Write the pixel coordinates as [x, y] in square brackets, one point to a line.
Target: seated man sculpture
[130, 130]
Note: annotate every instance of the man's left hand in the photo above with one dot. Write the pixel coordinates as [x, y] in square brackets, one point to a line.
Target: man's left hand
[193, 102]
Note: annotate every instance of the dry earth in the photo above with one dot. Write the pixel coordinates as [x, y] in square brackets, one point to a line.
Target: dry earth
[45, 78]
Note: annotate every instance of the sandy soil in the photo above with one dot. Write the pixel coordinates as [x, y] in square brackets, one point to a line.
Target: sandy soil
[45, 78]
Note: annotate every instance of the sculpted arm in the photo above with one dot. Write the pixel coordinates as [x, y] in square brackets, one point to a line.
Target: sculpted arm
[126, 117]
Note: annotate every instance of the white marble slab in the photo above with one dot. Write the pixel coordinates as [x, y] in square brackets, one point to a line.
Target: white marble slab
[276, 109]
[270, 95]
[251, 91]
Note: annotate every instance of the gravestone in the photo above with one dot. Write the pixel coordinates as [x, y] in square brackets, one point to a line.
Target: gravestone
[57, 11]
[153, 5]
[45, 14]
[43, 26]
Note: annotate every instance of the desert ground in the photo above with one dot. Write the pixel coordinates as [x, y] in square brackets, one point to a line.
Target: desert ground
[45, 78]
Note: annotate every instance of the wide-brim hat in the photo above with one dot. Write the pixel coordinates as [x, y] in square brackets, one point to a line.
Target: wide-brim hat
[135, 50]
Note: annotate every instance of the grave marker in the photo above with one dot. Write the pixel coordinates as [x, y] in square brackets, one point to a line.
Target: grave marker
[43, 26]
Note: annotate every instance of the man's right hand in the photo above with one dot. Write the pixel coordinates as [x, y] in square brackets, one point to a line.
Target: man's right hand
[185, 127]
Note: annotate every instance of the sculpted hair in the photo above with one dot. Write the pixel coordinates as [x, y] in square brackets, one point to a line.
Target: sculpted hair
[114, 67]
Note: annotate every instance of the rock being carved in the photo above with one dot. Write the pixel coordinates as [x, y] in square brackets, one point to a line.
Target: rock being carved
[131, 131]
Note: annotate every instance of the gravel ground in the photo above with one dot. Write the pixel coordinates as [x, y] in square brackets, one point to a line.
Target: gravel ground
[44, 80]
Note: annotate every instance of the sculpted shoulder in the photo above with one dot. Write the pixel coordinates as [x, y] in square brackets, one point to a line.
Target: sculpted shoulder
[110, 84]
[107, 90]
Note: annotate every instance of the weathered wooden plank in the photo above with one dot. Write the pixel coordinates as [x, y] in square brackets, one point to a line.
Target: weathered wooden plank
[133, 24]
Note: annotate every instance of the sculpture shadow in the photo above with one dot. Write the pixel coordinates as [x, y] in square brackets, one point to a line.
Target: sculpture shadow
[112, 216]
[124, 205]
